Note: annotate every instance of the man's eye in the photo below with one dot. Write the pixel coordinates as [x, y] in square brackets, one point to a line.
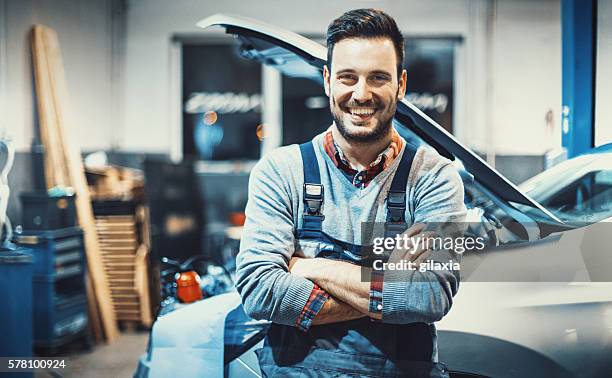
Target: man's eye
[380, 78]
[347, 78]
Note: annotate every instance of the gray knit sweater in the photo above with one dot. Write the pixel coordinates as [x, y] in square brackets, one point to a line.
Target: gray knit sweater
[274, 213]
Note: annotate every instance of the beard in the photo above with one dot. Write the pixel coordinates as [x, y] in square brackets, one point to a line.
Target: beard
[361, 134]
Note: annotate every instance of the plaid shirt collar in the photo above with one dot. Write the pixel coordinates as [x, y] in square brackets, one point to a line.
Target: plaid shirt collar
[362, 178]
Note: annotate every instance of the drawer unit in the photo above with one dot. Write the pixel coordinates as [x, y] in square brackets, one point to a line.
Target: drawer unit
[56, 252]
[60, 299]
[58, 321]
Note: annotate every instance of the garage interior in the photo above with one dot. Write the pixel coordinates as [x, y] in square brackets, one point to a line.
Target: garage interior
[130, 133]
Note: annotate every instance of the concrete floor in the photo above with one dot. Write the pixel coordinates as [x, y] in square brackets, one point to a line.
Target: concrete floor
[116, 360]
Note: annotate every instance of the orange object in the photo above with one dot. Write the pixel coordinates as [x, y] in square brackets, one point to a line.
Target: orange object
[237, 218]
[188, 287]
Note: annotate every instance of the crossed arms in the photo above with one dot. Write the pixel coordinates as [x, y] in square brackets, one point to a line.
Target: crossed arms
[276, 286]
[349, 293]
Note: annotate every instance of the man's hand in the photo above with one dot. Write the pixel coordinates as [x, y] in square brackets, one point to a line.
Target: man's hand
[298, 266]
[334, 310]
[343, 280]
[415, 245]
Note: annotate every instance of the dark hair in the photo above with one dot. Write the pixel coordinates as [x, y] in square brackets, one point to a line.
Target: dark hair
[365, 23]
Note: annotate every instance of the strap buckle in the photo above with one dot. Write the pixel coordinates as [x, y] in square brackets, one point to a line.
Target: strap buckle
[395, 228]
[313, 198]
[396, 206]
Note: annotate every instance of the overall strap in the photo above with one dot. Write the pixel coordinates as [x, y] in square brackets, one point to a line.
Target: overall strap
[396, 197]
[313, 190]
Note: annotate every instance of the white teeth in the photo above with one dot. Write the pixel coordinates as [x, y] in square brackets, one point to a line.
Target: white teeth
[362, 111]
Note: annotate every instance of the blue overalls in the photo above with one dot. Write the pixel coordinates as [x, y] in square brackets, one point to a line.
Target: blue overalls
[356, 348]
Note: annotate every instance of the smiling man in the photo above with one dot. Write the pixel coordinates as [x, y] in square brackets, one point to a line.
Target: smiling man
[301, 264]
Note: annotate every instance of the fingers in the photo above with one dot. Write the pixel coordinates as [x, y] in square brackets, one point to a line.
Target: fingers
[422, 257]
[418, 245]
[414, 229]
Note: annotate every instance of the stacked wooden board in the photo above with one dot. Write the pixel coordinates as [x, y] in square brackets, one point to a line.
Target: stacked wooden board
[114, 182]
[64, 168]
[125, 259]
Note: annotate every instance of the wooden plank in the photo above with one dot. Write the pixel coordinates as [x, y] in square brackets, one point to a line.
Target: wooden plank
[116, 242]
[126, 300]
[59, 96]
[55, 174]
[110, 265]
[142, 213]
[119, 259]
[106, 239]
[124, 253]
[141, 281]
[122, 287]
[114, 274]
[119, 248]
[46, 111]
[95, 322]
[111, 235]
[116, 231]
[115, 247]
[126, 306]
[103, 228]
[117, 254]
[119, 268]
[121, 290]
[115, 218]
[71, 163]
[119, 276]
[115, 222]
[130, 244]
[131, 297]
[123, 283]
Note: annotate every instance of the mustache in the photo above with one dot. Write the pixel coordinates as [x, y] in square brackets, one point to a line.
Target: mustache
[369, 104]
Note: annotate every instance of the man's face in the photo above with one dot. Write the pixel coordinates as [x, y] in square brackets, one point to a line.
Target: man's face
[363, 87]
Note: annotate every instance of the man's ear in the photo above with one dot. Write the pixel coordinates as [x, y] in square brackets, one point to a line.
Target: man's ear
[401, 91]
[326, 79]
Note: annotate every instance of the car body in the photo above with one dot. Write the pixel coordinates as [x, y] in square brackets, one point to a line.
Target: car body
[579, 190]
[528, 307]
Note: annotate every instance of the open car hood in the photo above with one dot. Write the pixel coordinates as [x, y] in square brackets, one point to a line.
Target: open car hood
[297, 56]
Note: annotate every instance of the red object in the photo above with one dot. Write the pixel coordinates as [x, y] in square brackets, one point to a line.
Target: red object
[188, 287]
[237, 218]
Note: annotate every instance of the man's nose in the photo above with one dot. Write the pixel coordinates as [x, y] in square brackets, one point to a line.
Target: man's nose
[361, 92]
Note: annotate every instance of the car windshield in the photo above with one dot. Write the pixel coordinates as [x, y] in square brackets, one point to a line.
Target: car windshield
[579, 191]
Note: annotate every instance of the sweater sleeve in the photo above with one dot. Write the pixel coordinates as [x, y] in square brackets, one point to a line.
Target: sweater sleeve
[426, 296]
[267, 289]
